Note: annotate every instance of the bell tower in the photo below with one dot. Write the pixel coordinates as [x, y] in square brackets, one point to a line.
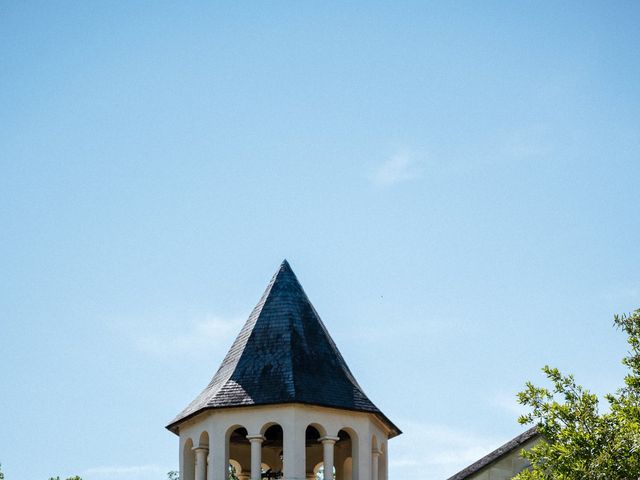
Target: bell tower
[284, 403]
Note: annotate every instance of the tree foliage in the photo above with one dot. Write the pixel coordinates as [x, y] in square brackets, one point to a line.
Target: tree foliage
[579, 442]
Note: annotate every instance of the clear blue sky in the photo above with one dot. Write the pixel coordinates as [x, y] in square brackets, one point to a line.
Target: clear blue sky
[454, 183]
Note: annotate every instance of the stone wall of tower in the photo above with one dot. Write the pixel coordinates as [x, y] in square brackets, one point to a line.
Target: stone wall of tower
[363, 458]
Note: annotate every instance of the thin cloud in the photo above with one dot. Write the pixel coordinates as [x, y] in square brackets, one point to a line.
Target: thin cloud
[199, 337]
[439, 450]
[399, 168]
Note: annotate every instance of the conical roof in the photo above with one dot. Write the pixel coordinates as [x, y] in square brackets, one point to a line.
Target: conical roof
[283, 354]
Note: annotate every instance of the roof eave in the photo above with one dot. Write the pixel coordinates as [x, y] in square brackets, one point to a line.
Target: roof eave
[394, 431]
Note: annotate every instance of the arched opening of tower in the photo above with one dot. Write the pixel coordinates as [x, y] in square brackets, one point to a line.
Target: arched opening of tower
[188, 461]
[239, 454]
[344, 455]
[272, 452]
[377, 460]
[382, 462]
[321, 448]
[312, 451]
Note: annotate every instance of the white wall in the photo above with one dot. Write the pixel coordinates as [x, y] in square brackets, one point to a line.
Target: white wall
[294, 419]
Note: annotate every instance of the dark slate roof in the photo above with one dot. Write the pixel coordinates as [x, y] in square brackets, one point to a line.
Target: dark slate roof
[498, 453]
[283, 354]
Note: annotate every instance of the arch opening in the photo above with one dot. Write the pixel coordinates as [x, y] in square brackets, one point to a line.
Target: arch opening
[318, 471]
[346, 455]
[204, 440]
[272, 451]
[383, 462]
[312, 450]
[238, 453]
[188, 461]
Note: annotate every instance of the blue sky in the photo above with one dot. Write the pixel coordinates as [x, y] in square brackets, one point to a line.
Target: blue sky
[455, 185]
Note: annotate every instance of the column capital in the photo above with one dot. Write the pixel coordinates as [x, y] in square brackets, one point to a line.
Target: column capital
[255, 438]
[376, 452]
[203, 448]
[328, 439]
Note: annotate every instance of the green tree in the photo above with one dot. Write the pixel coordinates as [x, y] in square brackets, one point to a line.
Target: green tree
[173, 475]
[1, 474]
[579, 442]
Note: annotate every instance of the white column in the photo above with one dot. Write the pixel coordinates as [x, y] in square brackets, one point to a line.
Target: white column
[294, 445]
[364, 457]
[375, 454]
[218, 456]
[201, 462]
[327, 450]
[256, 456]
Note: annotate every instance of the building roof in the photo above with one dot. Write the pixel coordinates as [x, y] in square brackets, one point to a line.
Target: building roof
[283, 354]
[496, 455]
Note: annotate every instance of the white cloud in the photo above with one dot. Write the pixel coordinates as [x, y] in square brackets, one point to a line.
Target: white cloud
[198, 337]
[399, 168]
[433, 452]
[139, 472]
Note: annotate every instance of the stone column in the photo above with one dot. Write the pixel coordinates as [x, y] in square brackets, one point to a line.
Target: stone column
[256, 456]
[375, 454]
[218, 456]
[327, 450]
[362, 470]
[294, 449]
[201, 462]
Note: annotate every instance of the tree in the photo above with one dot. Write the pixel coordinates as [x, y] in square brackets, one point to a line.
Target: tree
[578, 441]
[1, 474]
[173, 475]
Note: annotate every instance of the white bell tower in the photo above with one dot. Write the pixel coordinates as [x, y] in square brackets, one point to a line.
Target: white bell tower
[283, 404]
